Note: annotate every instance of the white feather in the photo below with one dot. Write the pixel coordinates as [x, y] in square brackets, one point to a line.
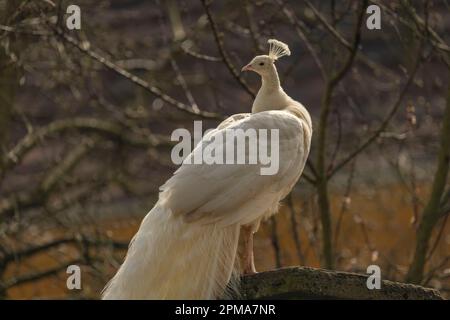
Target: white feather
[169, 259]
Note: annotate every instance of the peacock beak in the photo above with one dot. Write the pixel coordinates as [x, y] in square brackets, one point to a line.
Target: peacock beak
[247, 68]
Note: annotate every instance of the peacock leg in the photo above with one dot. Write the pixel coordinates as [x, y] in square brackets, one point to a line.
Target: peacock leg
[249, 261]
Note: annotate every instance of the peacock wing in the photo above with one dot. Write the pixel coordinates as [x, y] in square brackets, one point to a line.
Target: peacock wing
[236, 193]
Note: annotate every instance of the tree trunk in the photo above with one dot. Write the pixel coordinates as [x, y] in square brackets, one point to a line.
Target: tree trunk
[432, 212]
[322, 181]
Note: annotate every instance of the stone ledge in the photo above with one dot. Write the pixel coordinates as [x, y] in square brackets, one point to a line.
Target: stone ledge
[312, 283]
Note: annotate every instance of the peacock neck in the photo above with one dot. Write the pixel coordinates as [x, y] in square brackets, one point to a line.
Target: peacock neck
[270, 81]
[270, 96]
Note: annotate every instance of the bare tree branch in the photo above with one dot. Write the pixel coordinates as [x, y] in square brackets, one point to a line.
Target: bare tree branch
[25, 199]
[135, 79]
[107, 128]
[384, 124]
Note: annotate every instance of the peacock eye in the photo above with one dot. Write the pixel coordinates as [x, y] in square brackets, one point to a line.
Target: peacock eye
[261, 63]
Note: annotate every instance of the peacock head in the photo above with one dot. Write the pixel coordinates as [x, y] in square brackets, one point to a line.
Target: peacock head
[264, 64]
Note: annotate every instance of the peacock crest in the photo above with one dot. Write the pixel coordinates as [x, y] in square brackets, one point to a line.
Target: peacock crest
[278, 49]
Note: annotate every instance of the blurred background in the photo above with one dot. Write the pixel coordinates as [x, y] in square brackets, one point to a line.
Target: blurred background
[86, 117]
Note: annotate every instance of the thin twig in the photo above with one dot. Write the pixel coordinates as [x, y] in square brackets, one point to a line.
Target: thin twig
[186, 49]
[223, 53]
